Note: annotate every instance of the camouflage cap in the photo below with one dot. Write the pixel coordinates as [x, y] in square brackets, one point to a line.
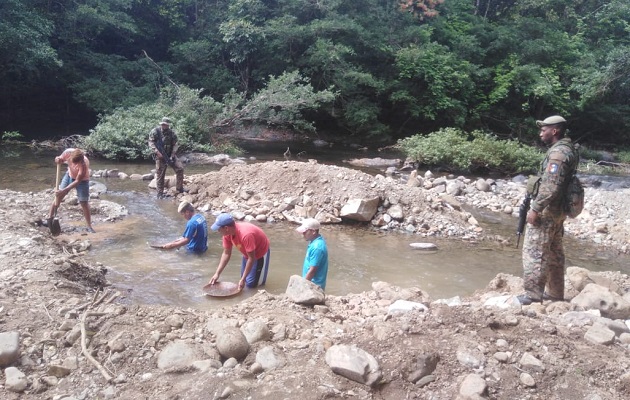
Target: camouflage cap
[553, 120]
[166, 121]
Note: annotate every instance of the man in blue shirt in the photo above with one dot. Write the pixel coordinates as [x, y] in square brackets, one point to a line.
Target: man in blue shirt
[315, 268]
[195, 237]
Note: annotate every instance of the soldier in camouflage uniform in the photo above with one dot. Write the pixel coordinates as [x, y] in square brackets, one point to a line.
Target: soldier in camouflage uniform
[543, 253]
[164, 138]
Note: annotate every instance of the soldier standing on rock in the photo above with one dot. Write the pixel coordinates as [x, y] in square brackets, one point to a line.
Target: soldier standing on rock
[543, 252]
[163, 142]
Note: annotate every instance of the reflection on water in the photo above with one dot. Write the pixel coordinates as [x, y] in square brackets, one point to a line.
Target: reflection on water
[357, 257]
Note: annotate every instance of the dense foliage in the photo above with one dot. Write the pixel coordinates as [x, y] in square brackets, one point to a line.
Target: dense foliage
[368, 68]
[477, 151]
[123, 133]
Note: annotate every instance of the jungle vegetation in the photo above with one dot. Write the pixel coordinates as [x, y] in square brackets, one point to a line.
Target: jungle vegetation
[366, 70]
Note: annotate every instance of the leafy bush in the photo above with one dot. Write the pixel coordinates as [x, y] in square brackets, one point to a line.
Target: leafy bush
[124, 134]
[280, 104]
[10, 135]
[475, 151]
[624, 156]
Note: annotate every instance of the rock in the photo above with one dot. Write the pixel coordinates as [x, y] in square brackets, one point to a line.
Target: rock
[302, 291]
[406, 306]
[599, 334]
[360, 209]
[176, 355]
[9, 347]
[216, 325]
[375, 162]
[470, 357]
[174, 321]
[58, 371]
[396, 212]
[600, 298]
[256, 331]
[527, 380]
[231, 342]
[530, 363]
[482, 185]
[422, 365]
[353, 363]
[15, 380]
[423, 246]
[473, 387]
[269, 359]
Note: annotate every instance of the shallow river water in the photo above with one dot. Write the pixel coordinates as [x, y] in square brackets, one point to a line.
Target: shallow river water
[357, 256]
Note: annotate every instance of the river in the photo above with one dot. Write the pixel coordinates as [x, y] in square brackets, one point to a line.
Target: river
[357, 256]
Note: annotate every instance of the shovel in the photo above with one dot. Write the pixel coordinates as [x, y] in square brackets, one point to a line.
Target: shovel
[55, 227]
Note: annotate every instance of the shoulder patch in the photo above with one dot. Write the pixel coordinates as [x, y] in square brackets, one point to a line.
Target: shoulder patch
[552, 168]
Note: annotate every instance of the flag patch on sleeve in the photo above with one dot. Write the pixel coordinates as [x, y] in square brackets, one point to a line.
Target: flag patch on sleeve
[553, 168]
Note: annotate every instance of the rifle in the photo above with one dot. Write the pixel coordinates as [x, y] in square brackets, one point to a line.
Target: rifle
[522, 217]
[159, 144]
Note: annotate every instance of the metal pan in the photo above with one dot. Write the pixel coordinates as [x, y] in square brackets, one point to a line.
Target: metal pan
[222, 289]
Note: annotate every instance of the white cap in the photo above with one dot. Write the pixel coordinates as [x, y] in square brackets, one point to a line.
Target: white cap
[308, 223]
[182, 206]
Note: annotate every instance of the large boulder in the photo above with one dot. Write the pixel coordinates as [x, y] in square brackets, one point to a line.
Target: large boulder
[596, 297]
[302, 291]
[362, 210]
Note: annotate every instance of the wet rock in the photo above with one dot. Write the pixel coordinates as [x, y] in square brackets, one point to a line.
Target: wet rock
[423, 246]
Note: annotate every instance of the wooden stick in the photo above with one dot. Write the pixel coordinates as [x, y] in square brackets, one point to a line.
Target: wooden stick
[98, 365]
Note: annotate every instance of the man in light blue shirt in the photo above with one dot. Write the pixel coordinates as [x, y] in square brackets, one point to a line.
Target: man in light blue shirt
[315, 268]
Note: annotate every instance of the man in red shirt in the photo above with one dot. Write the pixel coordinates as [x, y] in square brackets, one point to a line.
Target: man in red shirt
[251, 241]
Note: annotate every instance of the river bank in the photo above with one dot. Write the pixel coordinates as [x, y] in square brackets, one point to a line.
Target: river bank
[65, 334]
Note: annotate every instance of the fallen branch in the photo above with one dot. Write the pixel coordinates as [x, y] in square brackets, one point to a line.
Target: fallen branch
[84, 349]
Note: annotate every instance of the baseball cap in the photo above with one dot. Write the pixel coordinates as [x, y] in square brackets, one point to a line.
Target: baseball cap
[222, 220]
[166, 121]
[308, 223]
[553, 120]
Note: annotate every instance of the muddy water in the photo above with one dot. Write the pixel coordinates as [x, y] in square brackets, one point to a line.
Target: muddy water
[357, 256]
